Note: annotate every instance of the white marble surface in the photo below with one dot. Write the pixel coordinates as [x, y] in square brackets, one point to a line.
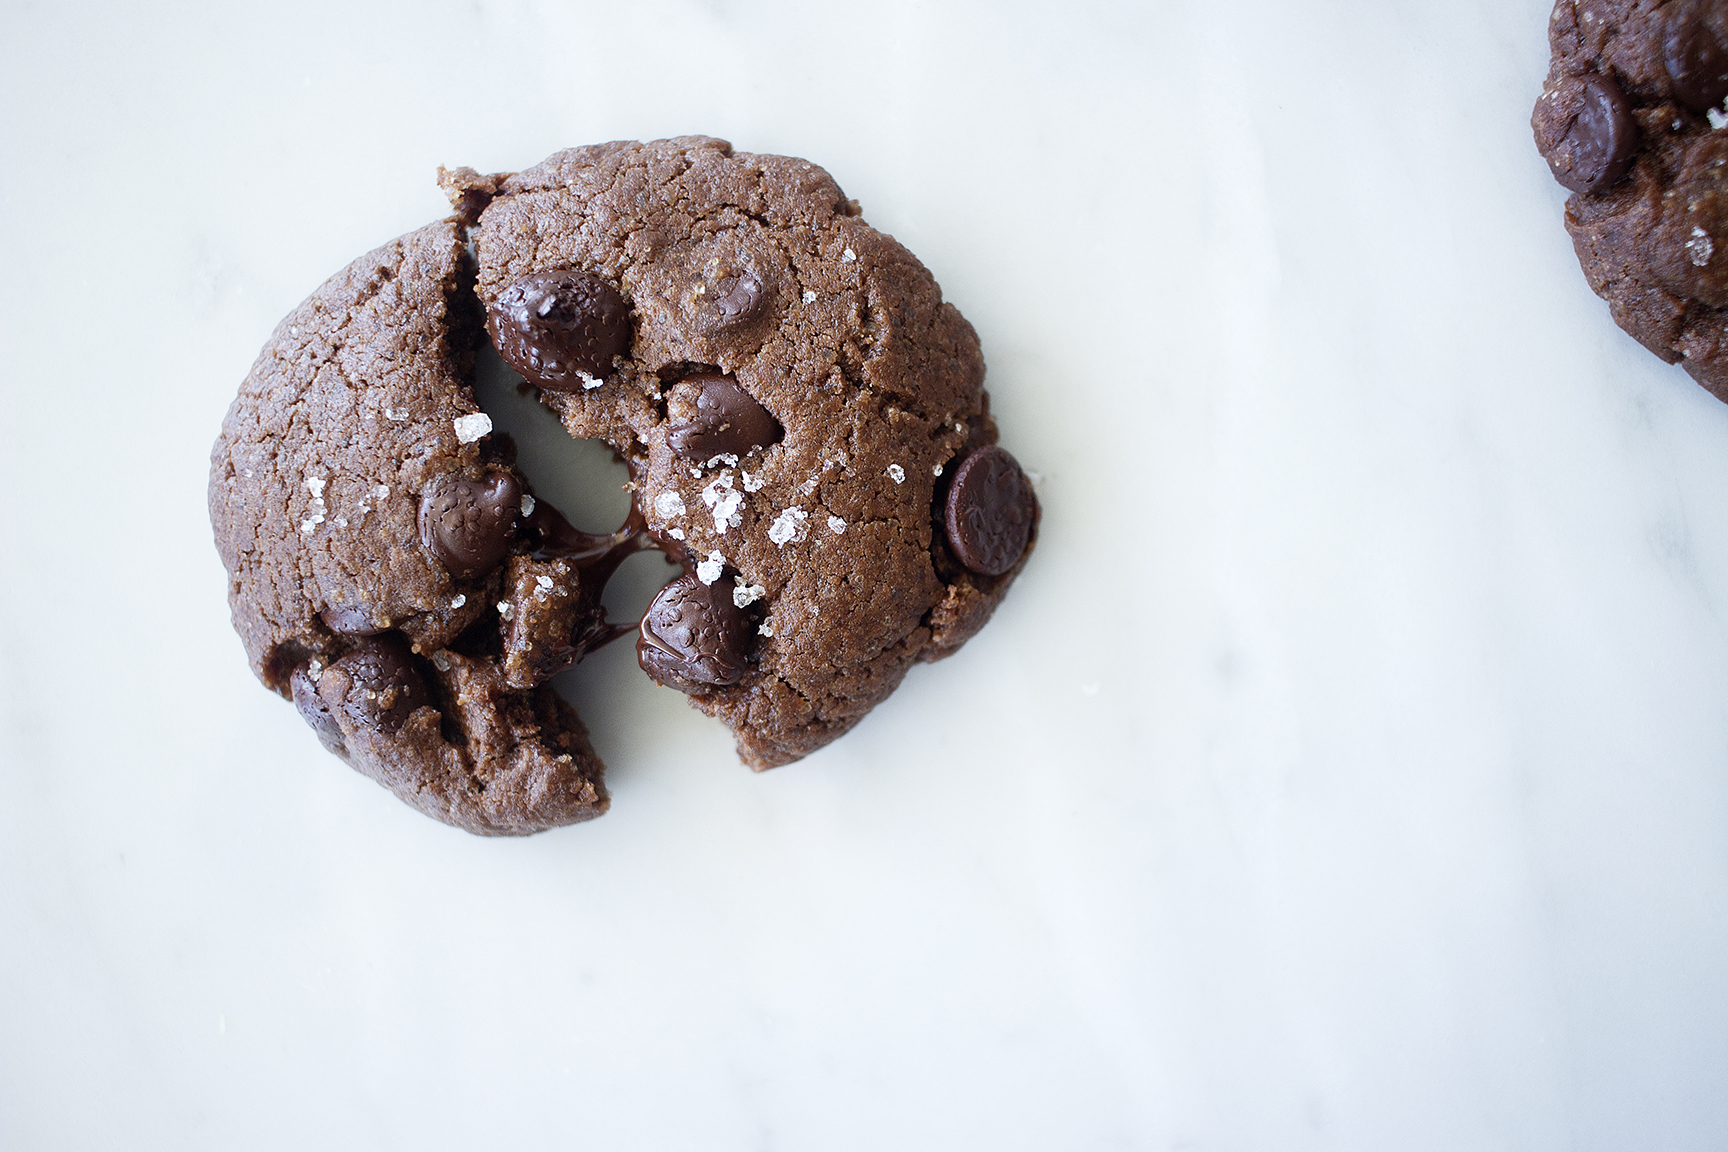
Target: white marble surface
[1349, 771]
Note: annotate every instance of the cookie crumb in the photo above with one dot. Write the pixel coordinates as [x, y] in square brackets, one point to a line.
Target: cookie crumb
[848, 256]
[896, 473]
[836, 525]
[471, 427]
[504, 609]
[788, 527]
[708, 570]
[527, 504]
[459, 601]
[668, 505]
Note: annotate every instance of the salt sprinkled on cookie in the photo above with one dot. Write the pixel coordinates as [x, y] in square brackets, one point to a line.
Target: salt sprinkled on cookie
[471, 427]
[669, 504]
[709, 570]
[836, 525]
[896, 473]
[788, 526]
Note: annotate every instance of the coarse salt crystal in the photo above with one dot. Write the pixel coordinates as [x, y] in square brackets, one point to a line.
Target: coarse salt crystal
[936, 471]
[504, 609]
[848, 256]
[315, 670]
[809, 297]
[788, 527]
[527, 504]
[896, 473]
[764, 630]
[669, 504]
[1717, 119]
[746, 593]
[709, 570]
[459, 601]
[545, 583]
[753, 483]
[675, 533]
[836, 525]
[589, 382]
[1700, 248]
[471, 427]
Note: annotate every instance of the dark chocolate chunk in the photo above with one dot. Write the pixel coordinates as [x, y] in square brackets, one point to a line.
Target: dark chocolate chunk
[351, 621]
[1696, 60]
[694, 637]
[989, 511]
[384, 686]
[727, 420]
[738, 299]
[1595, 148]
[558, 327]
[316, 713]
[468, 524]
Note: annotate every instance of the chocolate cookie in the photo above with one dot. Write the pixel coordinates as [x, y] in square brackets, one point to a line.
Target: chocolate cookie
[803, 415]
[388, 569]
[806, 427]
[1629, 121]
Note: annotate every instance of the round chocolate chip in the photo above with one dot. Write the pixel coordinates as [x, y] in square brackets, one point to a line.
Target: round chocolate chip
[316, 713]
[384, 686]
[989, 511]
[468, 524]
[738, 299]
[560, 329]
[726, 419]
[1696, 60]
[1595, 147]
[694, 636]
[351, 621]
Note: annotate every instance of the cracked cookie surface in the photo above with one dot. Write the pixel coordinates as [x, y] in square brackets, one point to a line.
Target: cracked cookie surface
[755, 272]
[358, 407]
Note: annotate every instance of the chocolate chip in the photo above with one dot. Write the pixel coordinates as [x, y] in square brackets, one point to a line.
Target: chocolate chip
[1595, 148]
[352, 621]
[556, 327]
[468, 524]
[384, 686]
[1696, 60]
[989, 512]
[726, 420]
[316, 713]
[738, 299]
[694, 637]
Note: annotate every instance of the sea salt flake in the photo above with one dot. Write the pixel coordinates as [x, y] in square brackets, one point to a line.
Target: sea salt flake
[315, 670]
[504, 610]
[753, 483]
[459, 601]
[730, 459]
[746, 593]
[588, 382]
[936, 471]
[471, 427]
[675, 533]
[391, 414]
[1700, 248]
[1717, 118]
[896, 473]
[724, 501]
[836, 525]
[315, 485]
[848, 256]
[527, 504]
[764, 630]
[381, 491]
[709, 570]
[340, 521]
[788, 527]
[545, 583]
[668, 505]
[809, 297]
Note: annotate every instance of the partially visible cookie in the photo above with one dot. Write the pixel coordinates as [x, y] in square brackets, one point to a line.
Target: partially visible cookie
[1629, 121]
[803, 415]
[388, 570]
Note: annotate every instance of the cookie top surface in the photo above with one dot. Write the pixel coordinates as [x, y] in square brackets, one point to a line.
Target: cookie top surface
[1629, 122]
[793, 400]
[367, 524]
